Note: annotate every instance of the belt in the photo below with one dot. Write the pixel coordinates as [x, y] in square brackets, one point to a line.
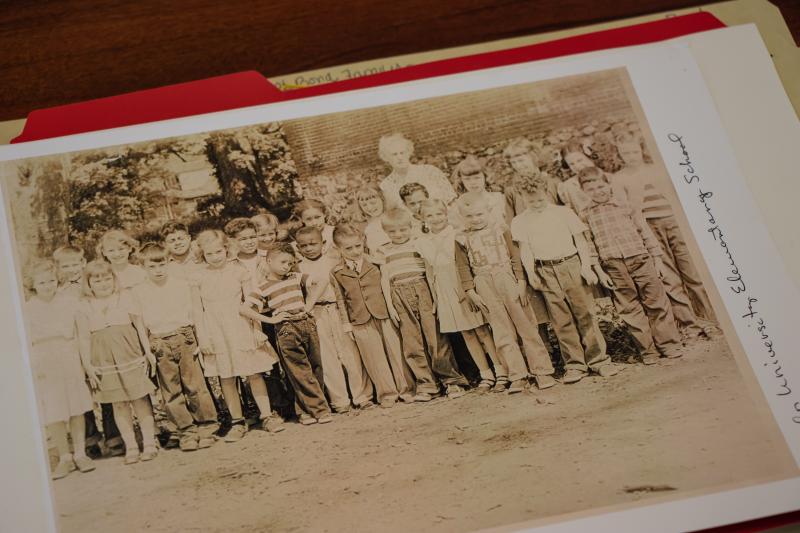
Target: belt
[404, 281]
[170, 333]
[298, 316]
[325, 303]
[551, 262]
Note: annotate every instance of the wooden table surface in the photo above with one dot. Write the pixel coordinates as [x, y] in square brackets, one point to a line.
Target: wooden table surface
[58, 52]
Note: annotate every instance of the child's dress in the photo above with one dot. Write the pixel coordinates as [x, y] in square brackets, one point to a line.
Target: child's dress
[238, 348]
[130, 276]
[116, 351]
[61, 388]
[452, 308]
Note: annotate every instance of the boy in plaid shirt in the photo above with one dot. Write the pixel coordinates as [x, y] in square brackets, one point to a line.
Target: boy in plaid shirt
[631, 264]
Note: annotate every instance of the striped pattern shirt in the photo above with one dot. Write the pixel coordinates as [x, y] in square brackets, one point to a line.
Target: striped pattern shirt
[403, 261]
[279, 295]
[642, 192]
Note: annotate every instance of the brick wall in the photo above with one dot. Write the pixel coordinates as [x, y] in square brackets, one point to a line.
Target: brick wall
[347, 141]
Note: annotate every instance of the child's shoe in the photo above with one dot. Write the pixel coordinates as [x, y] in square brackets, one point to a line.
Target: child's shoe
[366, 405]
[236, 433]
[518, 385]
[607, 370]
[84, 464]
[307, 420]
[205, 442]
[272, 424]
[326, 418]
[485, 386]
[388, 404]
[131, 458]
[407, 398]
[500, 385]
[455, 391]
[149, 453]
[422, 397]
[64, 467]
[188, 443]
[544, 382]
[573, 375]
[650, 359]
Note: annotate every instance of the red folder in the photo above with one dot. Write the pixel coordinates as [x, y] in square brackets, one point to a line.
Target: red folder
[245, 89]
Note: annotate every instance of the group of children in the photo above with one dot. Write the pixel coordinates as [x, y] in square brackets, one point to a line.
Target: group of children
[354, 315]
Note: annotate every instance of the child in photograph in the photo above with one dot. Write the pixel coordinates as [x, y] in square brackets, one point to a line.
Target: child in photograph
[230, 345]
[69, 263]
[685, 290]
[117, 356]
[169, 310]
[116, 247]
[363, 313]
[396, 151]
[405, 283]
[469, 176]
[631, 257]
[244, 233]
[555, 254]
[56, 364]
[312, 213]
[569, 191]
[456, 312]
[338, 352]
[266, 231]
[281, 300]
[521, 155]
[176, 240]
[369, 200]
[493, 278]
[412, 195]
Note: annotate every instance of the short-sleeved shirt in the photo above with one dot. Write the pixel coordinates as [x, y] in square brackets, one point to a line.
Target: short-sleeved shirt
[430, 177]
[164, 308]
[280, 295]
[319, 272]
[116, 310]
[402, 261]
[548, 233]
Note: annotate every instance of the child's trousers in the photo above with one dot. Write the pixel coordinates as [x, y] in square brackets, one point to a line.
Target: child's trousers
[298, 349]
[180, 378]
[414, 304]
[373, 347]
[582, 345]
[509, 319]
[339, 355]
[642, 303]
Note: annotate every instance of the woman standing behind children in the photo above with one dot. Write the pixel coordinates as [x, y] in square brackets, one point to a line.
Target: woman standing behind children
[116, 247]
[227, 340]
[110, 330]
[57, 368]
[453, 309]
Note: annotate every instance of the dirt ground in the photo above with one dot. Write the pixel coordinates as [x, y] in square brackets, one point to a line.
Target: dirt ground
[452, 465]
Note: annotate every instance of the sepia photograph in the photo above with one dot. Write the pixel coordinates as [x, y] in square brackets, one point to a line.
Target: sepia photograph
[448, 314]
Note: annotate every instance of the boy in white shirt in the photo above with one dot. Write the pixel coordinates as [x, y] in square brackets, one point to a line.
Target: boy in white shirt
[168, 308]
[556, 257]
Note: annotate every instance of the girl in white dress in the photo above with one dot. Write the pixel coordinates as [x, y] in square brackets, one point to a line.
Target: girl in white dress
[61, 389]
[231, 347]
[454, 311]
[120, 364]
[116, 247]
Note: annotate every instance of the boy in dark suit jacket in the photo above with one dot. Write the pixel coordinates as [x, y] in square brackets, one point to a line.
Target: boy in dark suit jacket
[365, 317]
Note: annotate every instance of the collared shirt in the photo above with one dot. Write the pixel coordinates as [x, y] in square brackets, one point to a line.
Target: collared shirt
[549, 234]
[279, 295]
[430, 177]
[164, 308]
[619, 230]
[403, 261]
[355, 266]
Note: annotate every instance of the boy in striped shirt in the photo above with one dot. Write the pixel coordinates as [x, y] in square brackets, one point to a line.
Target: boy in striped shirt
[404, 280]
[280, 300]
